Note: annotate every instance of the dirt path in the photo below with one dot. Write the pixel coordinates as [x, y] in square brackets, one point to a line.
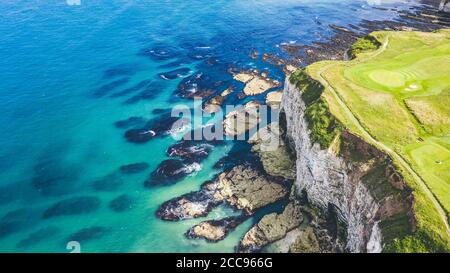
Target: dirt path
[381, 145]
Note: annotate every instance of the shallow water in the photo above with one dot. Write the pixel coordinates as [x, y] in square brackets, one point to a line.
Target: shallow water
[63, 72]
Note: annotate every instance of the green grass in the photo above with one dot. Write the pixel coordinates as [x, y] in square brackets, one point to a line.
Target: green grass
[323, 126]
[362, 45]
[401, 96]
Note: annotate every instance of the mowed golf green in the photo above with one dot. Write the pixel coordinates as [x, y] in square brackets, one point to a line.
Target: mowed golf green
[400, 95]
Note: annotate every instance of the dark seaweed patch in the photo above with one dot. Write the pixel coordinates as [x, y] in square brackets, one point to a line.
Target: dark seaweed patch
[51, 176]
[160, 111]
[9, 227]
[107, 88]
[143, 84]
[8, 193]
[120, 70]
[148, 93]
[22, 215]
[108, 183]
[130, 122]
[72, 206]
[121, 203]
[38, 236]
[88, 234]
[134, 168]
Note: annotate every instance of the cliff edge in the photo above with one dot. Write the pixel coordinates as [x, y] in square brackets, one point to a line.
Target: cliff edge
[366, 150]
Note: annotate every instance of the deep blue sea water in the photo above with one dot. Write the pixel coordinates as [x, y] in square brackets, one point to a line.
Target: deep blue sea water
[57, 133]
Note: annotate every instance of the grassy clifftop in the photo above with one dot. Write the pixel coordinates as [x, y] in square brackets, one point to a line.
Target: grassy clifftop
[395, 94]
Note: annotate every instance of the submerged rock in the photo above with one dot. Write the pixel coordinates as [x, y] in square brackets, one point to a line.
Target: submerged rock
[39, 236]
[121, 203]
[156, 127]
[175, 74]
[271, 227]
[214, 104]
[191, 151]
[215, 230]
[88, 234]
[239, 154]
[134, 168]
[72, 206]
[159, 53]
[191, 205]
[139, 135]
[170, 171]
[197, 85]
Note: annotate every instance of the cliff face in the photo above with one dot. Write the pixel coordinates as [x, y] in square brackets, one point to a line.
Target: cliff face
[352, 177]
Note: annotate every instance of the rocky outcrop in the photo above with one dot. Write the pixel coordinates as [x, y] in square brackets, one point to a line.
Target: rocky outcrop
[271, 228]
[214, 104]
[273, 152]
[353, 178]
[248, 189]
[255, 83]
[215, 230]
[242, 120]
[244, 187]
[273, 99]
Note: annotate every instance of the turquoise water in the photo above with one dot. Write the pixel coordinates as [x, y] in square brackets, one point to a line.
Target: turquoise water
[55, 130]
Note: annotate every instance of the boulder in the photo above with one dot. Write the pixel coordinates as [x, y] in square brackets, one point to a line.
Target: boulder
[171, 171]
[191, 205]
[215, 230]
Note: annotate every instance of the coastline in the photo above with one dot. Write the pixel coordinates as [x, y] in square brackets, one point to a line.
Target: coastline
[316, 235]
[98, 157]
